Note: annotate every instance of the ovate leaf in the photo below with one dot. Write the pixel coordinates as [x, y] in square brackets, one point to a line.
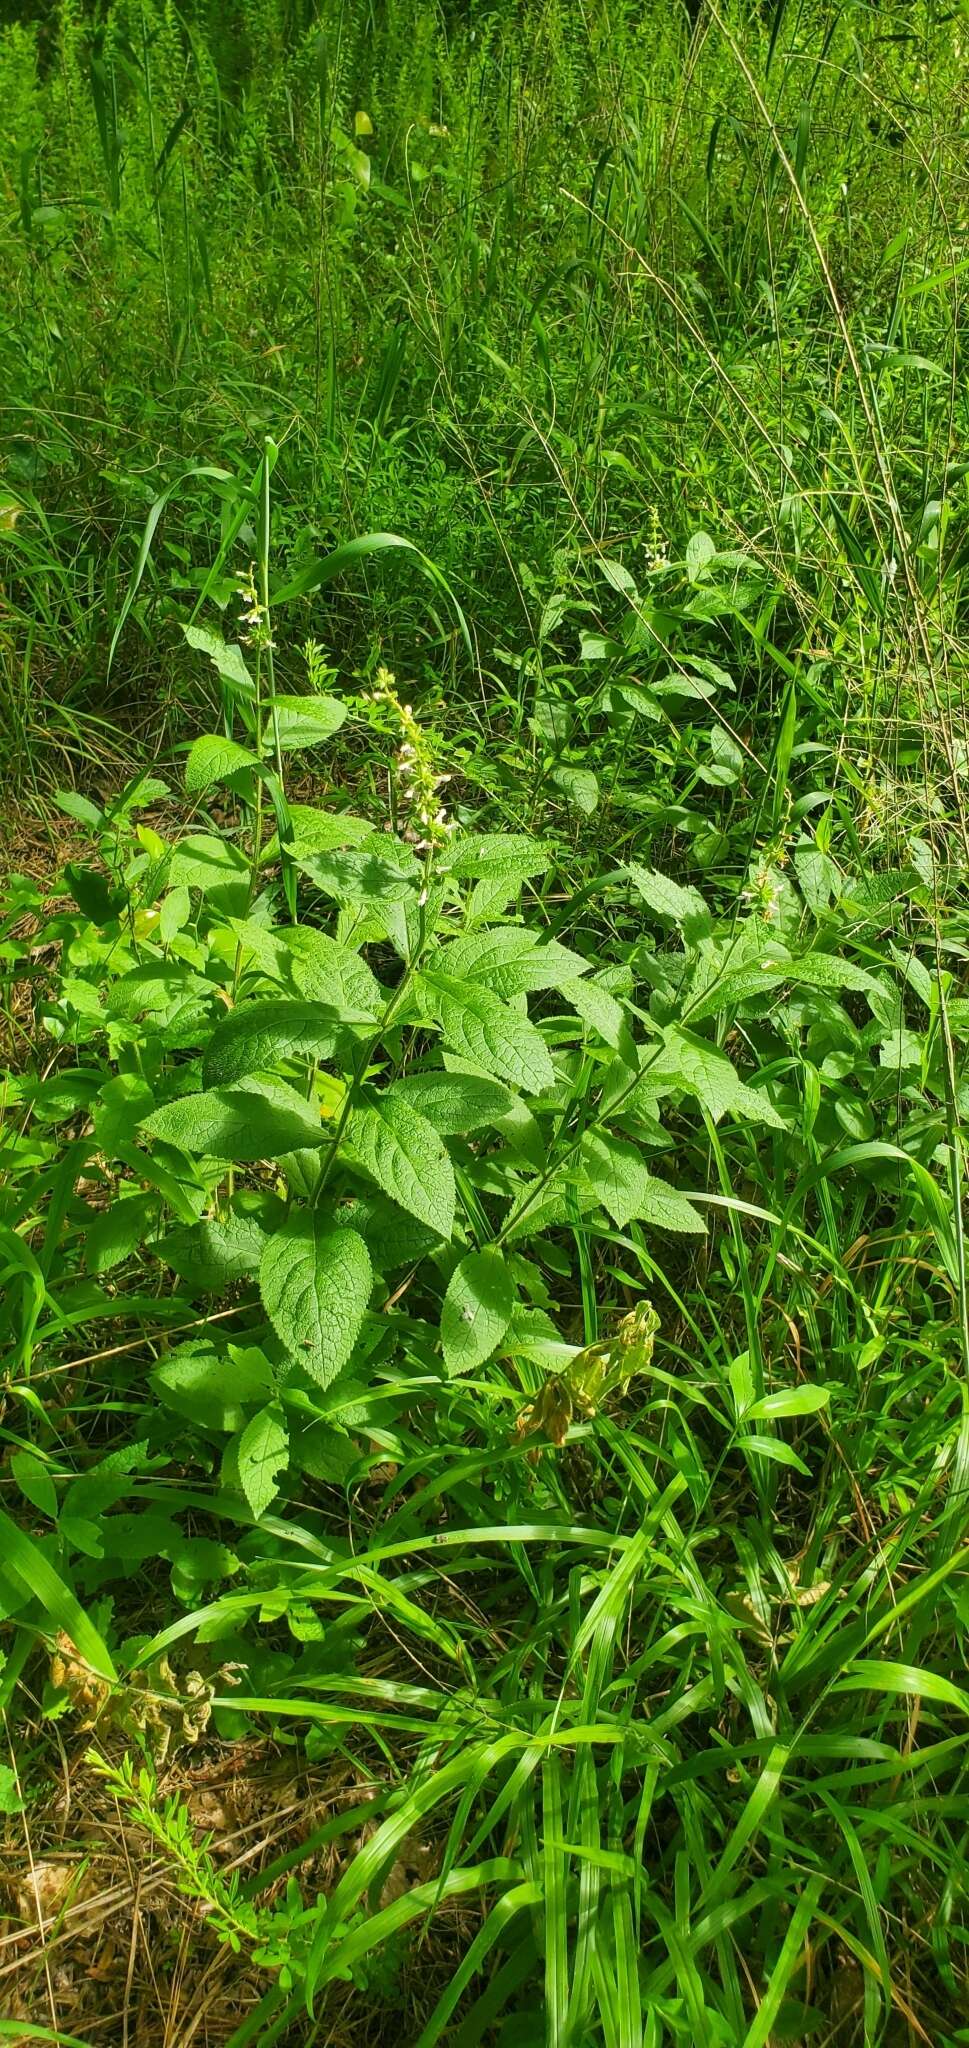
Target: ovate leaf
[455, 1103]
[667, 898]
[263, 1120]
[305, 721]
[213, 758]
[35, 1482]
[315, 1283]
[262, 1452]
[314, 831]
[689, 1063]
[598, 1008]
[510, 960]
[404, 1154]
[626, 1188]
[480, 1025]
[579, 786]
[329, 973]
[260, 1034]
[477, 1310]
[700, 552]
[226, 656]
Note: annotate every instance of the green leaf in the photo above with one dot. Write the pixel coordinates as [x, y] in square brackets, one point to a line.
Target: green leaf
[874, 1674]
[455, 1103]
[313, 831]
[477, 1310]
[11, 1802]
[626, 1188]
[306, 721]
[479, 1025]
[789, 1401]
[685, 907]
[315, 1283]
[579, 785]
[698, 1069]
[598, 1008]
[28, 1566]
[225, 654]
[493, 856]
[379, 871]
[200, 861]
[213, 758]
[211, 1388]
[327, 972]
[314, 575]
[404, 1154]
[772, 1448]
[210, 1255]
[700, 552]
[35, 1482]
[120, 1229]
[261, 1120]
[262, 1452]
[259, 1034]
[157, 990]
[509, 959]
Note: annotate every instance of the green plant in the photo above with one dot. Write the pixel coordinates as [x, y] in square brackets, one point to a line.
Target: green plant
[384, 1134]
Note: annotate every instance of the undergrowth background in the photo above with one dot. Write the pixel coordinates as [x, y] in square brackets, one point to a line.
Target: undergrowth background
[597, 370]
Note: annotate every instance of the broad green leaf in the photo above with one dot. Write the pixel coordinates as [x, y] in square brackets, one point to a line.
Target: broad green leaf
[174, 912]
[404, 1154]
[200, 861]
[579, 785]
[700, 552]
[315, 1282]
[314, 831]
[226, 655]
[491, 856]
[158, 990]
[35, 1482]
[665, 1206]
[377, 871]
[326, 972]
[261, 1120]
[213, 758]
[477, 1023]
[777, 969]
[119, 1230]
[392, 1238]
[598, 1008]
[688, 1063]
[455, 1103]
[477, 1310]
[306, 721]
[211, 1388]
[626, 1188]
[212, 1254]
[259, 1034]
[685, 907]
[261, 1453]
[510, 960]
[789, 1401]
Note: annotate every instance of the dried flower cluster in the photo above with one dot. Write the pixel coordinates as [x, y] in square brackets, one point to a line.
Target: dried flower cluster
[414, 769]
